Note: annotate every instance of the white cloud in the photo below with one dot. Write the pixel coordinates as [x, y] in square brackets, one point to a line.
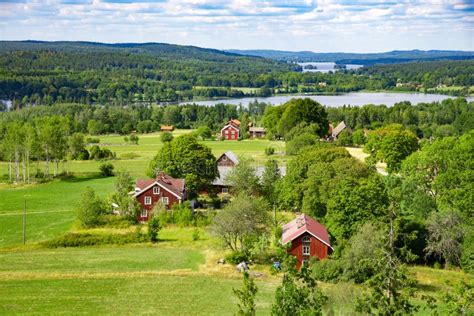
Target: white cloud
[321, 25]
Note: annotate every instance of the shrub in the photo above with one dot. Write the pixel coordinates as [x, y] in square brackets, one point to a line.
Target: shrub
[94, 239]
[269, 151]
[114, 221]
[96, 153]
[327, 270]
[237, 257]
[153, 228]
[166, 137]
[134, 139]
[106, 169]
[91, 140]
[91, 209]
[182, 215]
[196, 235]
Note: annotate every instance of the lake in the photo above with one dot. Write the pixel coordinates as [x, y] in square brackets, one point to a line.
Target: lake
[353, 98]
[326, 67]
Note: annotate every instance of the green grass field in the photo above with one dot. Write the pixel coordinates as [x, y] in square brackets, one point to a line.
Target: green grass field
[176, 276]
[50, 206]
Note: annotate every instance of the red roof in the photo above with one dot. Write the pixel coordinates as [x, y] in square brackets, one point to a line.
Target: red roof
[175, 186]
[303, 224]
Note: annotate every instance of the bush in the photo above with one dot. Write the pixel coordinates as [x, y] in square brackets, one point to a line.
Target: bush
[182, 215]
[294, 146]
[94, 239]
[134, 139]
[269, 151]
[327, 270]
[114, 221]
[91, 140]
[96, 153]
[91, 209]
[196, 235]
[166, 137]
[106, 169]
[153, 228]
[237, 257]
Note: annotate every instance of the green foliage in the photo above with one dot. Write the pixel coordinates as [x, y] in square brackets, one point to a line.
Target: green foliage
[296, 144]
[390, 287]
[246, 296]
[359, 258]
[204, 132]
[154, 227]
[298, 293]
[467, 257]
[184, 157]
[445, 237]
[358, 138]
[391, 144]
[355, 203]
[271, 175]
[243, 178]
[241, 220]
[297, 111]
[327, 270]
[134, 139]
[97, 153]
[460, 301]
[196, 235]
[106, 169]
[91, 209]
[166, 137]
[236, 257]
[94, 239]
[344, 138]
[269, 151]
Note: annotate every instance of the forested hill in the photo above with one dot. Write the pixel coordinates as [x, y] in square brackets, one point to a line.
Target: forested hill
[396, 56]
[140, 55]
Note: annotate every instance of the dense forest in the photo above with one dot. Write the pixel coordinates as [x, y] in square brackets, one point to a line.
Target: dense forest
[34, 73]
[396, 56]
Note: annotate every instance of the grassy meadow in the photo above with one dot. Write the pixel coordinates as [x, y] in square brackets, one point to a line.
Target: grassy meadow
[51, 206]
[178, 275]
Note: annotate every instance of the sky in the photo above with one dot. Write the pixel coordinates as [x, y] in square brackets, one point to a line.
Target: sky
[319, 26]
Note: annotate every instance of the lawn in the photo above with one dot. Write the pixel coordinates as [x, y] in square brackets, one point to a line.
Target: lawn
[49, 208]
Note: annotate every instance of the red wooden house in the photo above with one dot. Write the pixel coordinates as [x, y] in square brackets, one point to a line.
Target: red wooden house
[231, 131]
[308, 238]
[164, 189]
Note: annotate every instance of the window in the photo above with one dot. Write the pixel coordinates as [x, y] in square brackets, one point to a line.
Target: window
[156, 190]
[147, 200]
[144, 213]
[165, 200]
[306, 246]
[227, 131]
[233, 132]
[224, 158]
[225, 190]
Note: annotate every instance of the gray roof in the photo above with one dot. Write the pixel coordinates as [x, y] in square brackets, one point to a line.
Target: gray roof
[231, 156]
[224, 171]
[257, 129]
[339, 128]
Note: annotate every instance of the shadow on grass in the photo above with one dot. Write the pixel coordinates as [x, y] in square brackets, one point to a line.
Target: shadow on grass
[427, 288]
[83, 177]
[167, 239]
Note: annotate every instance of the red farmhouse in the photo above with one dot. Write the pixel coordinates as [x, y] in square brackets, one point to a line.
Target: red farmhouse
[231, 130]
[308, 239]
[164, 189]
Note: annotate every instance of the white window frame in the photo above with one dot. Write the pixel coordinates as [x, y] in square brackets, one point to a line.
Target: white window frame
[227, 132]
[232, 132]
[306, 249]
[144, 213]
[165, 198]
[156, 190]
[147, 200]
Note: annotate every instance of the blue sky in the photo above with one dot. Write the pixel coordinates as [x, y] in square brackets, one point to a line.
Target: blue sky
[320, 26]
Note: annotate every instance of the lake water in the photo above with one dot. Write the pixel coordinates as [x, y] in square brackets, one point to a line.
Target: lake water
[326, 67]
[353, 98]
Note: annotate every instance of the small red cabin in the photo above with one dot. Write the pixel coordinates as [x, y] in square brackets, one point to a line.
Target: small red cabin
[231, 131]
[164, 189]
[308, 238]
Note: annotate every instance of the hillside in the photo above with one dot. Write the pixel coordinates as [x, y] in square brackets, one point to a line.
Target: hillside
[397, 56]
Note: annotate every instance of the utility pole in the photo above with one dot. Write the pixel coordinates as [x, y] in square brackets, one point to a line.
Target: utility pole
[24, 222]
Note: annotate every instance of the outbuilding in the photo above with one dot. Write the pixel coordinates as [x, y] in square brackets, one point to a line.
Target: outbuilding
[308, 238]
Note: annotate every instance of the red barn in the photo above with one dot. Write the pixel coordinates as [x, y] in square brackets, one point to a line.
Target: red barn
[164, 189]
[231, 130]
[308, 238]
